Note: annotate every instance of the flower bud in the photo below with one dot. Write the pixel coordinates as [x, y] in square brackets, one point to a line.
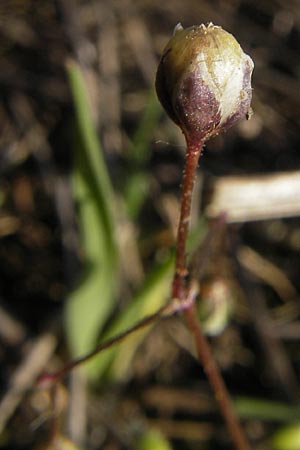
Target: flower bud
[204, 81]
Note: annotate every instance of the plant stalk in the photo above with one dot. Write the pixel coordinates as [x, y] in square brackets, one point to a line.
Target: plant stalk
[215, 378]
[191, 162]
[52, 377]
[184, 293]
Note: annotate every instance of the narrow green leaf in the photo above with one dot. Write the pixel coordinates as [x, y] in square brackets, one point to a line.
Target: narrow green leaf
[137, 183]
[90, 304]
[139, 149]
[135, 192]
[92, 156]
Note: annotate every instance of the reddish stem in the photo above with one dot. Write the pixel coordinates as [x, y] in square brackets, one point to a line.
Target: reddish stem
[191, 162]
[215, 378]
[184, 293]
[53, 377]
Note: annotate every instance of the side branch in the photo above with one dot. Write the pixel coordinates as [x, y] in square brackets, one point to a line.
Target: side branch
[164, 312]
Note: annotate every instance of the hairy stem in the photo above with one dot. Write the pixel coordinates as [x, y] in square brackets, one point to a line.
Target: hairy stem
[191, 162]
[185, 295]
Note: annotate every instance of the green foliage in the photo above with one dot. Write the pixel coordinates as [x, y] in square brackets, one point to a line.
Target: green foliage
[151, 440]
[152, 295]
[254, 408]
[93, 300]
[287, 438]
[137, 182]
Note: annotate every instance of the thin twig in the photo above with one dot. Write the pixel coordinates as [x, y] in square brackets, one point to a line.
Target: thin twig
[163, 312]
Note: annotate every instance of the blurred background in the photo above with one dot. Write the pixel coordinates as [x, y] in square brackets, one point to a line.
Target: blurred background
[90, 173]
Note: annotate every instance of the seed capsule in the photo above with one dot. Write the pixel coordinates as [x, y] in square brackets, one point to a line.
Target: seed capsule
[204, 81]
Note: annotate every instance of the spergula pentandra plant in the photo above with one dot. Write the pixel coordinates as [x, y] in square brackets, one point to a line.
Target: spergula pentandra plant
[204, 80]
[204, 83]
